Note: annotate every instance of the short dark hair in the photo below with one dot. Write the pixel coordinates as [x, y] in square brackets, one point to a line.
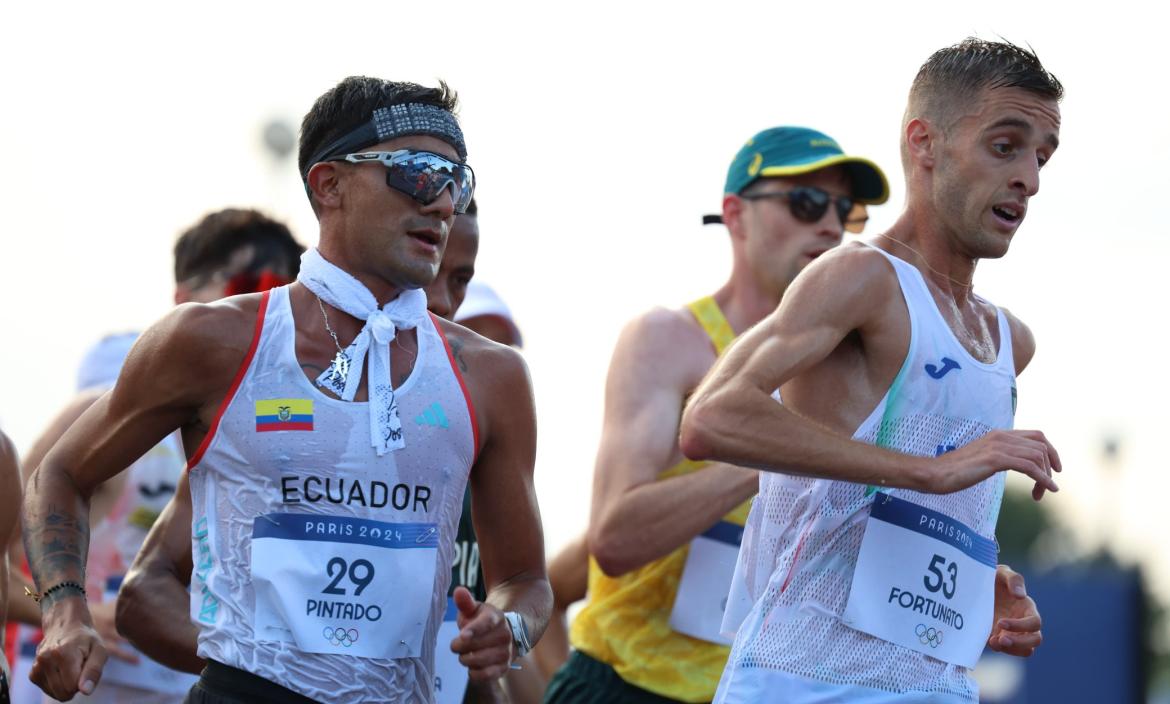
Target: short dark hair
[957, 74]
[351, 102]
[209, 244]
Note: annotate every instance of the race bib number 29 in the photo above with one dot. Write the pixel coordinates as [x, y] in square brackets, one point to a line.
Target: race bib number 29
[343, 585]
[924, 581]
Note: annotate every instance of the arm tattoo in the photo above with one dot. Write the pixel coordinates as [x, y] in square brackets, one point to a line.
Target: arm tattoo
[457, 353]
[55, 542]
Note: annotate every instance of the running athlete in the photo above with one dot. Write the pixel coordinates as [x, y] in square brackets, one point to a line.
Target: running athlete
[870, 553]
[226, 252]
[154, 602]
[327, 513]
[664, 531]
[9, 510]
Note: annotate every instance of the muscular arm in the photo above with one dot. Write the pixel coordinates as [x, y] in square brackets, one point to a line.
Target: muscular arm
[505, 513]
[153, 605]
[175, 375]
[21, 608]
[850, 291]
[636, 518]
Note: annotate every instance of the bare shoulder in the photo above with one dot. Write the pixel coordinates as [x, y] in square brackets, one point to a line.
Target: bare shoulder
[665, 344]
[200, 328]
[852, 266]
[496, 380]
[1023, 341]
[482, 362]
[196, 347]
[850, 284]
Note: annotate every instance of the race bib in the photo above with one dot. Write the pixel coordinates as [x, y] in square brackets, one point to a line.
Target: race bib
[924, 581]
[342, 585]
[146, 673]
[706, 579]
[450, 674]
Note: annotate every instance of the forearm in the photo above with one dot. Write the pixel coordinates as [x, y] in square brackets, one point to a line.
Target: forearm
[654, 519]
[55, 532]
[153, 615]
[748, 428]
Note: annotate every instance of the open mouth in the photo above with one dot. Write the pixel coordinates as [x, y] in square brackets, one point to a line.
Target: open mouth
[1009, 213]
[427, 237]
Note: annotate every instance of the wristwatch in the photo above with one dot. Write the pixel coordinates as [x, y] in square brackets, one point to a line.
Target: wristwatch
[519, 633]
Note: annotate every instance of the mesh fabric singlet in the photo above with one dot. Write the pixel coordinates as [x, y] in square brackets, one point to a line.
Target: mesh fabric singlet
[322, 465]
[802, 539]
[626, 623]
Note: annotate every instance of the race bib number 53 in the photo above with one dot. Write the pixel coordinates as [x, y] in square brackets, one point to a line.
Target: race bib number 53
[342, 585]
[924, 581]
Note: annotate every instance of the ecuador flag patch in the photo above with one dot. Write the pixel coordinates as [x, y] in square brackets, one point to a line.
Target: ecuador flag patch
[284, 414]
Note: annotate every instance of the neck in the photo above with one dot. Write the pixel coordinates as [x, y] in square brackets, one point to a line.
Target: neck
[919, 239]
[383, 291]
[744, 302]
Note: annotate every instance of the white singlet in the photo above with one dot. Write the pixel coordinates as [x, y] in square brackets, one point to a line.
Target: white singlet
[803, 536]
[319, 565]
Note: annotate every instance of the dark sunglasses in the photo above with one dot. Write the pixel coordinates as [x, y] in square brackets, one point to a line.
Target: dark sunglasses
[422, 175]
[808, 203]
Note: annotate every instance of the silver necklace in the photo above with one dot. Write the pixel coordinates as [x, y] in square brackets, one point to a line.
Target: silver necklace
[339, 368]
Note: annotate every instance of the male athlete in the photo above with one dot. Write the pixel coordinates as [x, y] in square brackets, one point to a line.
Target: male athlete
[664, 531]
[329, 516]
[870, 551]
[226, 252]
[154, 603]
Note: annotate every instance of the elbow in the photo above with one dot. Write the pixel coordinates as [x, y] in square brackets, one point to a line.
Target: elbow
[607, 549]
[130, 605]
[697, 435]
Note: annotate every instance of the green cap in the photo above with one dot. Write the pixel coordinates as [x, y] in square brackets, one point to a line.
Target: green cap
[792, 151]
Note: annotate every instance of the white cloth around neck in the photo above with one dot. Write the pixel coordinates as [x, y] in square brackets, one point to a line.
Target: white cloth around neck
[340, 289]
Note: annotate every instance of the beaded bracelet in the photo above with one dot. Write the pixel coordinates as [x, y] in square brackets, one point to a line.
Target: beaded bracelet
[56, 587]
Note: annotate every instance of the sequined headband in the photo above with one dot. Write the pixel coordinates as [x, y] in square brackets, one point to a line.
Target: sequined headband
[395, 121]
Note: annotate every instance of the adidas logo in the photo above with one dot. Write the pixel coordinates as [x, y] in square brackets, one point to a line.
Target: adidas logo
[433, 417]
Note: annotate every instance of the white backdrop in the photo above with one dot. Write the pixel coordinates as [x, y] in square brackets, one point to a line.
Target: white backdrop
[600, 133]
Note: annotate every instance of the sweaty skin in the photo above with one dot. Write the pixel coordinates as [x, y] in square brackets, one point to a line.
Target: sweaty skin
[153, 603]
[837, 339]
[182, 368]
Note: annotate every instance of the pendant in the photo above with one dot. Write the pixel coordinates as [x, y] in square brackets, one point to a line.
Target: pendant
[333, 379]
[339, 369]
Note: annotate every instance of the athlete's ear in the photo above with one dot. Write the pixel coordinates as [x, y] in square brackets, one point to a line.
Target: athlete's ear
[733, 208]
[921, 142]
[324, 182]
[182, 294]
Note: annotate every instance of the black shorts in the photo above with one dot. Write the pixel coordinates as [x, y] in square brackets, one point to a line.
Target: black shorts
[584, 680]
[221, 684]
[4, 696]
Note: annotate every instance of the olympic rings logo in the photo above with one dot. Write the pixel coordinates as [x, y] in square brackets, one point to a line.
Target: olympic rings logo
[929, 636]
[340, 636]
